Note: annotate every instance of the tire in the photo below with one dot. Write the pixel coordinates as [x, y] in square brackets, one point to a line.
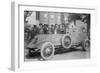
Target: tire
[86, 45]
[66, 41]
[47, 51]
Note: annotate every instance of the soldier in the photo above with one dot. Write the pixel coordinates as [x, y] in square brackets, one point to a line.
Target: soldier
[40, 29]
[55, 29]
[46, 29]
[27, 32]
[34, 32]
[58, 29]
[47, 26]
[63, 29]
[52, 29]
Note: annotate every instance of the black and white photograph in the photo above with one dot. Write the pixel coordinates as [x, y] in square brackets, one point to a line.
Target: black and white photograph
[56, 35]
[52, 36]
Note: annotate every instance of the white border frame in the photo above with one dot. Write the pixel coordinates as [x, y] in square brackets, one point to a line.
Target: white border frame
[17, 58]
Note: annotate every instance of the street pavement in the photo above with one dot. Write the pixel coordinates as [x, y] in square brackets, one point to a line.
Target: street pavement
[62, 55]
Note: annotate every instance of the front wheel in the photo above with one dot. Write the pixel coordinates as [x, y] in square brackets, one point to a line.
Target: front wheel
[47, 50]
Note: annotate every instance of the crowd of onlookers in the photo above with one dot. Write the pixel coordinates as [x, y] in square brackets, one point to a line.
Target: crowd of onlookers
[45, 29]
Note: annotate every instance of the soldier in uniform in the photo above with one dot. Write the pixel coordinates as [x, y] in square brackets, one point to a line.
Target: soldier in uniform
[46, 29]
[40, 29]
[34, 32]
[52, 29]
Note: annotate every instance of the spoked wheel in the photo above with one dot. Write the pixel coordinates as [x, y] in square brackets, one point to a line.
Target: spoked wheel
[86, 45]
[66, 41]
[47, 51]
